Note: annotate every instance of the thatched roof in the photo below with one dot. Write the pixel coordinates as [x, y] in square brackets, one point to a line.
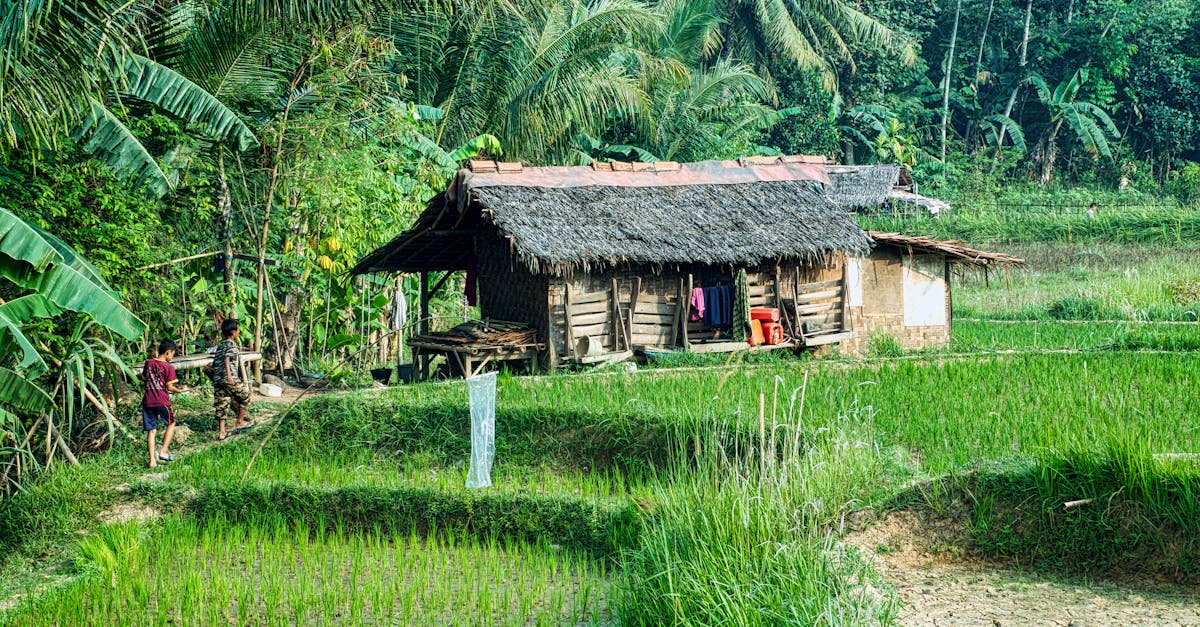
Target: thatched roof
[861, 186]
[954, 252]
[710, 213]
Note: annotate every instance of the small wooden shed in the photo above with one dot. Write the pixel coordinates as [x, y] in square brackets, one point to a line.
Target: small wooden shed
[599, 260]
[902, 289]
[876, 189]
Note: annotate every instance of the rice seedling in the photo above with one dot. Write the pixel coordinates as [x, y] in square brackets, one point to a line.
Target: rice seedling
[346, 578]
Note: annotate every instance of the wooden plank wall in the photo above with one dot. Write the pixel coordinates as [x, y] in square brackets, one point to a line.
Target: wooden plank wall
[626, 309]
[819, 306]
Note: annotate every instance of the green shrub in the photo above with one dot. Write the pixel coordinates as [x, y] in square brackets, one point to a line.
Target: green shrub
[599, 528]
[1185, 184]
[1080, 308]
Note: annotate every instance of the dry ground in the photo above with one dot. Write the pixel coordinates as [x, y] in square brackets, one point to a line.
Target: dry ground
[941, 584]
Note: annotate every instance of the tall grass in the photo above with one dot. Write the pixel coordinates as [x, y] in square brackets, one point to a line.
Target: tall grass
[751, 540]
[1137, 225]
[274, 573]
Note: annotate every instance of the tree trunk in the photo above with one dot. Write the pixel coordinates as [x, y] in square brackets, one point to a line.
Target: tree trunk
[225, 226]
[1012, 97]
[946, 83]
[983, 38]
[1047, 152]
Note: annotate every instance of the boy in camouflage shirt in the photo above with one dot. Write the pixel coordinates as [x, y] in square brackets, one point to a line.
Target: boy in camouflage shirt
[229, 395]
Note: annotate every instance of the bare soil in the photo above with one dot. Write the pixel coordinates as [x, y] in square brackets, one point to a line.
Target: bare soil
[942, 583]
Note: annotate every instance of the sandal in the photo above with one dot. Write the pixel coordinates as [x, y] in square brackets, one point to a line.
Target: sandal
[223, 438]
[244, 429]
[166, 458]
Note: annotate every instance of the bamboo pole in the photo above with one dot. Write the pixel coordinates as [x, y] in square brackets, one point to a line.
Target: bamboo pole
[800, 418]
[762, 433]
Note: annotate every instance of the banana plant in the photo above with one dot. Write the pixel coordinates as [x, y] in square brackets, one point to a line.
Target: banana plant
[106, 137]
[1091, 125]
[52, 280]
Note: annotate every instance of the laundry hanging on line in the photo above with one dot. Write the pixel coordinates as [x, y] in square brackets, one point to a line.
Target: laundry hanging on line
[718, 302]
[697, 311]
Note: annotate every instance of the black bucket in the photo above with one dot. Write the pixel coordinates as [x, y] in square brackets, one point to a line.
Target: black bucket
[382, 375]
[404, 373]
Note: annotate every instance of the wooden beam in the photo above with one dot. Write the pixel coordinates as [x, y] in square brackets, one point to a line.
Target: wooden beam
[570, 320]
[819, 285]
[587, 298]
[441, 283]
[423, 325]
[551, 352]
[688, 308]
[679, 305]
[633, 299]
[616, 317]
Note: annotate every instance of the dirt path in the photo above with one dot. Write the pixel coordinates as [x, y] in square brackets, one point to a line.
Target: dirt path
[940, 586]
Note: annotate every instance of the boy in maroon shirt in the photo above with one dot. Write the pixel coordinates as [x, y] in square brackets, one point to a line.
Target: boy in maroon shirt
[160, 379]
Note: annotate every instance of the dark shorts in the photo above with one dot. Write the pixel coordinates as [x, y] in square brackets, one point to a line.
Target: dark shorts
[155, 417]
[227, 399]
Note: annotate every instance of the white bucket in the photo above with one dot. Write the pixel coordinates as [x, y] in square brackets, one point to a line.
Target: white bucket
[267, 389]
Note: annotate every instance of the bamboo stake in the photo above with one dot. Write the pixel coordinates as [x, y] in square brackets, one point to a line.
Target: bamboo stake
[63, 445]
[762, 433]
[800, 418]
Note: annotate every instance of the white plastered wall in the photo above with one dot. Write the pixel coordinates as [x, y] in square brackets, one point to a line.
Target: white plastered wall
[924, 291]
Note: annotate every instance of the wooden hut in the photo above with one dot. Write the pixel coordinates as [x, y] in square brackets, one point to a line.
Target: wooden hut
[885, 188]
[903, 289]
[599, 260]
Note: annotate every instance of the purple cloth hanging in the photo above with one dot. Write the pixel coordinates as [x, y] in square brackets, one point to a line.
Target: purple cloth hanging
[697, 304]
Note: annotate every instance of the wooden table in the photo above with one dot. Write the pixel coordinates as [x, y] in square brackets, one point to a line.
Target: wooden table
[472, 358]
[203, 360]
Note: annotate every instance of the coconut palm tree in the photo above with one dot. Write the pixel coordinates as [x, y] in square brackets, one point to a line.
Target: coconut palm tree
[1090, 124]
[533, 74]
[810, 33]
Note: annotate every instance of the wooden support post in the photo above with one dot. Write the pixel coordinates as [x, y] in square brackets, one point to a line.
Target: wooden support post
[567, 327]
[796, 308]
[633, 299]
[423, 325]
[686, 344]
[617, 326]
[551, 352]
[845, 292]
[258, 314]
[680, 315]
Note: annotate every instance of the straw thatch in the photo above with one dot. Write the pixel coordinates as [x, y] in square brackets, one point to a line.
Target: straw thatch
[556, 229]
[861, 186]
[954, 252]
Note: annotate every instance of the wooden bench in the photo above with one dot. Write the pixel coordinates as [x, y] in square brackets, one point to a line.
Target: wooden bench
[203, 360]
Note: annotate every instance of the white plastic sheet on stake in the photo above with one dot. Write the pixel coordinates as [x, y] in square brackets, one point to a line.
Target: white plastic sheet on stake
[481, 392]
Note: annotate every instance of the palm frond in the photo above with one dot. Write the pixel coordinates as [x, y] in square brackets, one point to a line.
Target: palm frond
[1015, 132]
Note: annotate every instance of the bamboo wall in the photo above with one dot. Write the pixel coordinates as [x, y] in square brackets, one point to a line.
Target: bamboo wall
[507, 289]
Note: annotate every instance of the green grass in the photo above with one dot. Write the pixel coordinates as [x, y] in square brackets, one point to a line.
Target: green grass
[1159, 226]
[985, 336]
[1093, 282]
[659, 497]
[273, 572]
